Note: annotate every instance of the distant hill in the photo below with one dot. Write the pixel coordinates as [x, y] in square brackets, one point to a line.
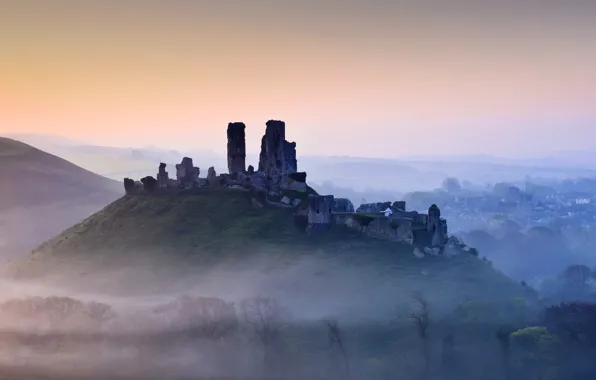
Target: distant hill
[42, 194]
[220, 242]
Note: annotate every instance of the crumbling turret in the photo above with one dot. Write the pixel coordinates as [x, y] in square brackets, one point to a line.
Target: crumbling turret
[186, 173]
[211, 176]
[236, 148]
[277, 156]
[149, 184]
[319, 213]
[436, 226]
[162, 177]
[129, 186]
[434, 217]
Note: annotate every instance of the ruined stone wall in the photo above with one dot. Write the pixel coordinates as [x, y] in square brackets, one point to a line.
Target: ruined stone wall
[289, 161]
[403, 226]
[342, 205]
[236, 148]
[129, 186]
[186, 173]
[319, 213]
[149, 184]
[399, 206]
[385, 228]
[373, 207]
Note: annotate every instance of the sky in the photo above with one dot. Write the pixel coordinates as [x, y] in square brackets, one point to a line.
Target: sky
[377, 78]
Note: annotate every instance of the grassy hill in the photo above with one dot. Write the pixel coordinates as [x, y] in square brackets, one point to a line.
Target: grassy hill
[216, 242]
[31, 177]
[41, 195]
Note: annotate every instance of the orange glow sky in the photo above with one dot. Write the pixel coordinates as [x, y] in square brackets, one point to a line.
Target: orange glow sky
[369, 78]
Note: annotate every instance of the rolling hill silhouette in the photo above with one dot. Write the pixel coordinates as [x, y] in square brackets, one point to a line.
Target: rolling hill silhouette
[42, 194]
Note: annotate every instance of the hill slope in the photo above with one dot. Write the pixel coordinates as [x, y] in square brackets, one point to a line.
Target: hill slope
[42, 194]
[215, 242]
[31, 177]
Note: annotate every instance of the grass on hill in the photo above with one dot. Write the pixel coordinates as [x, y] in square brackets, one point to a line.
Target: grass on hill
[33, 177]
[188, 233]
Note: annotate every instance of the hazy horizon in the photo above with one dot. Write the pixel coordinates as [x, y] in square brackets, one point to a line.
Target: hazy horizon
[354, 78]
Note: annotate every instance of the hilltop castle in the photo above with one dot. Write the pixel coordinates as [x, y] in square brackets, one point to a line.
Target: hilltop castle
[278, 182]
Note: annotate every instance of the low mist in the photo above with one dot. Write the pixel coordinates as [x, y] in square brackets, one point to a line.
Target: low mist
[264, 317]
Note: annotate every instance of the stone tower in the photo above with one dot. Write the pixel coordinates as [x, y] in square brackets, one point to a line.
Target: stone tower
[162, 177]
[278, 156]
[272, 148]
[436, 226]
[319, 213]
[236, 148]
[434, 218]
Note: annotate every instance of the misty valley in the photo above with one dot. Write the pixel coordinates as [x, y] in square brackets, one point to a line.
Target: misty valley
[210, 338]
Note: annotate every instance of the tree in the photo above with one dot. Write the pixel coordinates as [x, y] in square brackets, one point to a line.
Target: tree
[335, 335]
[575, 278]
[49, 312]
[204, 317]
[45, 318]
[574, 325]
[535, 349]
[212, 318]
[265, 318]
[420, 316]
[99, 312]
[448, 358]
[451, 185]
[503, 338]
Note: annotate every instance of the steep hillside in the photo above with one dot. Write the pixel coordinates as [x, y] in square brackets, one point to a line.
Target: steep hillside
[221, 242]
[32, 177]
[42, 194]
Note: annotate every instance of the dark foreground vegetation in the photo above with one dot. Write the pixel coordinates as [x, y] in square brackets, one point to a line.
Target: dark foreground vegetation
[258, 338]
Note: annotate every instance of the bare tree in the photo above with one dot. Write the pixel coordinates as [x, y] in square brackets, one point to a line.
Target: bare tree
[420, 315]
[265, 317]
[205, 317]
[503, 338]
[52, 311]
[99, 312]
[336, 337]
[210, 318]
[59, 309]
[45, 317]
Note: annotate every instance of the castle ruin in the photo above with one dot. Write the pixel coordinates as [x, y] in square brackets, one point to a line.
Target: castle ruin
[236, 148]
[278, 156]
[278, 182]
